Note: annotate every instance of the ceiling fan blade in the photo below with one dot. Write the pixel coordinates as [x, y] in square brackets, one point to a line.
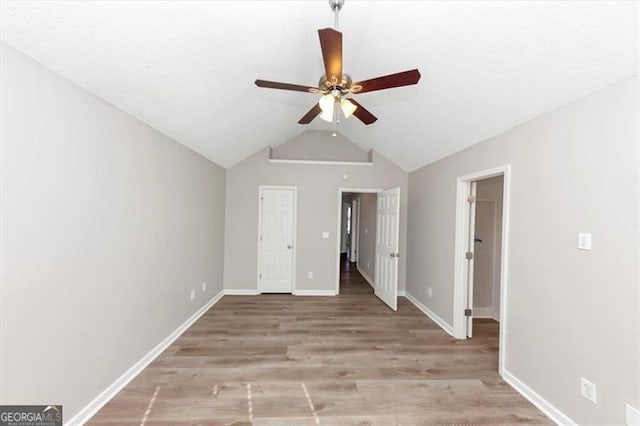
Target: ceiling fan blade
[362, 113]
[309, 116]
[404, 78]
[284, 86]
[331, 45]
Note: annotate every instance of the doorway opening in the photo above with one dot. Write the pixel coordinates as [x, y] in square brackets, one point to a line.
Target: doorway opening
[357, 243]
[480, 285]
[368, 239]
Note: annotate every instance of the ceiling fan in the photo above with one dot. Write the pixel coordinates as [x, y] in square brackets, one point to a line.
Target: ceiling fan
[335, 85]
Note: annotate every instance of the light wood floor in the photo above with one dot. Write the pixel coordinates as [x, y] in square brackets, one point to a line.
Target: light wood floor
[346, 360]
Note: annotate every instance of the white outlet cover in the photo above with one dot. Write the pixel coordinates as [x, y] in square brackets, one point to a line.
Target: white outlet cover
[310, 275]
[429, 292]
[588, 390]
[325, 235]
[204, 287]
[584, 241]
[193, 294]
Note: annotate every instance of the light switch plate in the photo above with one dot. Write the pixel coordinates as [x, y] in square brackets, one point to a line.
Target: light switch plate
[325, 235]
[584, 241]
[310, 275]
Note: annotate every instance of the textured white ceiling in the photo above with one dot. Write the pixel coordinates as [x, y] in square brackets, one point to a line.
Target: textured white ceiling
[187, 68]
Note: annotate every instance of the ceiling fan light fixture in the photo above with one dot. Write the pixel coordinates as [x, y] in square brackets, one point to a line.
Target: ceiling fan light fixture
[326, 103]
[327, 115]
[347, 107]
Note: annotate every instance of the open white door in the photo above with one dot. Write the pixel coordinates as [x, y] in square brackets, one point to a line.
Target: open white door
[387, 238]
[276, 251]
[469, 256]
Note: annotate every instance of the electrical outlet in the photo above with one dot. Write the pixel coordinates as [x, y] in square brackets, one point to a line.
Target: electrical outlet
[325, 235]
[588, 390]
[584, 241]
[204, 287]
[310, 275]
[367, 265]
[429, 292]
[193, 294]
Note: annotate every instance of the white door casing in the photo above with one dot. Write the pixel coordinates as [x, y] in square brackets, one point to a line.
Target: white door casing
[276, 239]
[387, 241]
[470, 255]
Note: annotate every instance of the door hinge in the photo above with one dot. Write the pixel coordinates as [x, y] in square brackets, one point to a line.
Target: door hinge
[260, 276]
[260, 238]
[467, 312]
[471, 199]
[468, 255]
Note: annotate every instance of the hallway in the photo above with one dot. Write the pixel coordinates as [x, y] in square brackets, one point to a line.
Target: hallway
[351, 281]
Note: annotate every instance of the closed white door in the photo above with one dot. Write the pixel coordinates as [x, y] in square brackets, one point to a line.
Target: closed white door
[387, 239]
[276, 240]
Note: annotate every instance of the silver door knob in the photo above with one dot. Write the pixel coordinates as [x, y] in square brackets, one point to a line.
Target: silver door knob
[394, 254]
[289, 247]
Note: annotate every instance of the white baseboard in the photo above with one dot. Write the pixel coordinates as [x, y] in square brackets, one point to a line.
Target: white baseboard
[402, 293]
[365, 276]
[240, 292]
[428, 312]
[99, 401]
[545, 406]
[315, 292]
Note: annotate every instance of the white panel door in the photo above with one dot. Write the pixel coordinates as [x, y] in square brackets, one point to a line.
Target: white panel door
[387, 238]
[277, 213]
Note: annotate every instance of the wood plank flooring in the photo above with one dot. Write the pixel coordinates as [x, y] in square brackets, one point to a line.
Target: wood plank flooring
[346, 360]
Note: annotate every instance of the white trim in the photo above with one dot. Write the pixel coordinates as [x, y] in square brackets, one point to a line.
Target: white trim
[402, 293]
[294, 237]
[240, 292]
[105, 396]
[632, 415]
[365, 276]
[545, 406]
[428, 312]
[315, 293]
[321, 162]
[460, 269]
[338, 226]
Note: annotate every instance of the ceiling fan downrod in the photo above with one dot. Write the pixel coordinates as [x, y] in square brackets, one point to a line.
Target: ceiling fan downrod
[336, 5]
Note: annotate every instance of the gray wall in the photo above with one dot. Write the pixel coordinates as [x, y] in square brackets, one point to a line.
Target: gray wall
[317, 212]
[487, 260]
[320, 145]
[106, 227]
[367, 235]
[571, 313]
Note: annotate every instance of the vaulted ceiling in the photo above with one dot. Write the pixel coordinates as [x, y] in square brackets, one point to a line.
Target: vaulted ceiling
[187, 68]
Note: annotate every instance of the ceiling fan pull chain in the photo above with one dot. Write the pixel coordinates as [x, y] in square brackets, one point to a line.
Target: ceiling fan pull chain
[336, 111]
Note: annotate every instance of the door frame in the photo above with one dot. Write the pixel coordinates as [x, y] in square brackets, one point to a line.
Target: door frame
[339, 227]
[294, 237]
[461, 244]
